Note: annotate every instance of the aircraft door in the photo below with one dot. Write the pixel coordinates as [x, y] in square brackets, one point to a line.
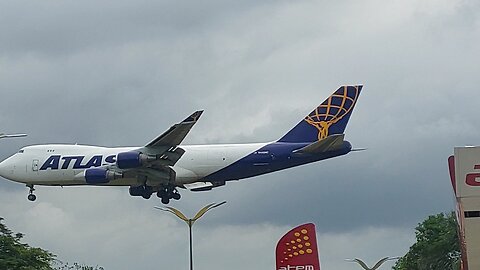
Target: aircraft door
[35, 165]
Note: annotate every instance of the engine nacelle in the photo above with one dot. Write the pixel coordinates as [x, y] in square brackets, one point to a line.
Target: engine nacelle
[127, 160]
[100, 176]
[132, 159]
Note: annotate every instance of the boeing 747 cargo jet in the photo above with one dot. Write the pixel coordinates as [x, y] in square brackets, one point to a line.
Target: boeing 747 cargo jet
[164, 164]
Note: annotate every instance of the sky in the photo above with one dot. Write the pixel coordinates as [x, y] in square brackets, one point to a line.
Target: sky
[119, 73]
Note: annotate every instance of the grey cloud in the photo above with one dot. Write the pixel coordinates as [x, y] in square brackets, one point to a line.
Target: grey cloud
[62, 28]
[120, 73]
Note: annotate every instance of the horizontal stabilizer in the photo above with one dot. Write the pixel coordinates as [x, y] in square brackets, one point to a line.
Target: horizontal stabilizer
[331, 143]
[358, 149]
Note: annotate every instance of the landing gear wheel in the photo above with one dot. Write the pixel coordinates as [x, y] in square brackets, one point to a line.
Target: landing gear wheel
[31, 197]
[176, 196]
[161, 194]
[165, 200]
[168, 192]
[147, 192]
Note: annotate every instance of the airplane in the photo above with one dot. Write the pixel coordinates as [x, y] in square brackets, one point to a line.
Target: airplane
[164, 164]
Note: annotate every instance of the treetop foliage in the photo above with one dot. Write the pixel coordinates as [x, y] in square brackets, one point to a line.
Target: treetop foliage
[15, 255]
[437, 246]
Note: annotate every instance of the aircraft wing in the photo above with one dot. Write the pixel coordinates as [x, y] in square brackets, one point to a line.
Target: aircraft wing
[2, 135]
[157, 157]
[165, 147]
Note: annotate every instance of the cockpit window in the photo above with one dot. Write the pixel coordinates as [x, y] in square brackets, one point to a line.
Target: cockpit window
[21, 151]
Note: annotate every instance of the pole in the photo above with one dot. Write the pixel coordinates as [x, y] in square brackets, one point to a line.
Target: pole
[190, 221]
[191, 250]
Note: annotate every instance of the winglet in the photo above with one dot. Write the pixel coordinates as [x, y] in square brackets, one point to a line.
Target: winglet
[175, 135]
[193, 117]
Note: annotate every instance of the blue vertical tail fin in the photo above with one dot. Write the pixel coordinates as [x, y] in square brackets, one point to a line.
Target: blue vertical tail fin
[330, 118]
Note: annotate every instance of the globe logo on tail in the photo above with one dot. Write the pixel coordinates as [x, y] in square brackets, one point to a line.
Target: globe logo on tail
[333, 110]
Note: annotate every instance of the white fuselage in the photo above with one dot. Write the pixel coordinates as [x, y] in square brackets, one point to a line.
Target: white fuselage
[35, 165]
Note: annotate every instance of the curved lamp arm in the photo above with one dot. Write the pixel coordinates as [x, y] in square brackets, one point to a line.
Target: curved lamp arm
[174, 211]
[377, 265]
[181, 216]
[206, 209]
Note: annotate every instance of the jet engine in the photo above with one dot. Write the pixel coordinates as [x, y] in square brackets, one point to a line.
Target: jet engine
[132, 159]
[100, 175]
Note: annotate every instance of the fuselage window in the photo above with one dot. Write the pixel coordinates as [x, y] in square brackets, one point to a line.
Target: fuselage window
[21, 151]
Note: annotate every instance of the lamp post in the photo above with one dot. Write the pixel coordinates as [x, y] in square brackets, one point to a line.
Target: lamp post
[376, 266]
[190, 221]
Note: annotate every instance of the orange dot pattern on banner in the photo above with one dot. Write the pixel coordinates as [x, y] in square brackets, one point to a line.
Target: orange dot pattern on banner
[297, 245]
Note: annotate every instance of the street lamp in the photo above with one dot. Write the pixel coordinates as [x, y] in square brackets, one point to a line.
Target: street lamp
[376, 266]
[190, 221]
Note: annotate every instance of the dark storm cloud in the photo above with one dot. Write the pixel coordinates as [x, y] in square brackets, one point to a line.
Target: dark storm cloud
[60, 28]
[98, 96]
[120, 73]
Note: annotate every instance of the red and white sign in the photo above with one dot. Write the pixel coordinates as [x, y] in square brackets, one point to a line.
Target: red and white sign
[467, 171]
[464, 168]
[297, 249]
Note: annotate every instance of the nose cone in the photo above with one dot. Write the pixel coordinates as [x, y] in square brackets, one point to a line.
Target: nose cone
[5, 168]
[2, 169]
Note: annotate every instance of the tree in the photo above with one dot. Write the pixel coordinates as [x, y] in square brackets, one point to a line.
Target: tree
[15, 255]
[75, 266]
[437, 246]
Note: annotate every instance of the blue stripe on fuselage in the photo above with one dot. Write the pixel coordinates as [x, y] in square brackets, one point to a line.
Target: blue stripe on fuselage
[272, 157]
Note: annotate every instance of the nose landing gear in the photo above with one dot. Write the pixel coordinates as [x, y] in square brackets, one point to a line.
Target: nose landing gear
[31, 197]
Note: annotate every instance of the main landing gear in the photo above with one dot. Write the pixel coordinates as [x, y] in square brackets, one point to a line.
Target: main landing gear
[168, 192]
[165, 193]
[142, 191]
[31, 197]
